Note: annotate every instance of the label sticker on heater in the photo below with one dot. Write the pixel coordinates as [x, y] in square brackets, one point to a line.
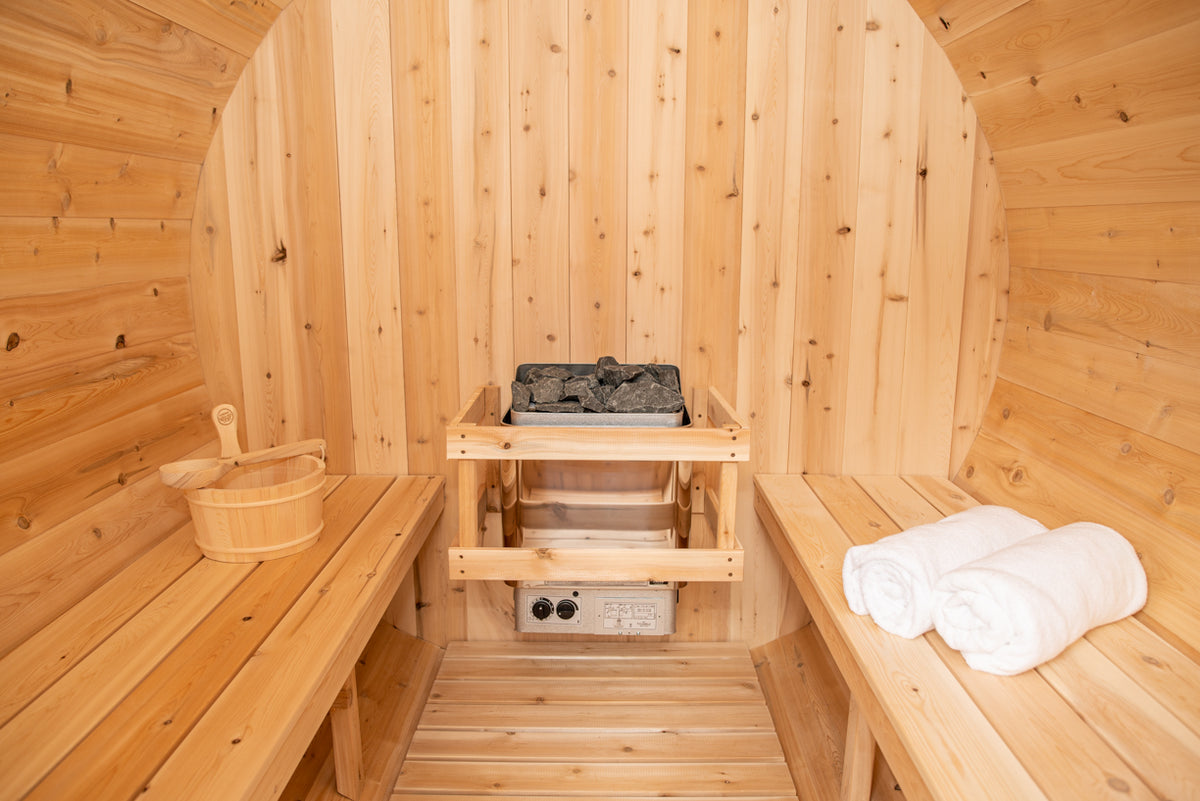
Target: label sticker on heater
[630, 614]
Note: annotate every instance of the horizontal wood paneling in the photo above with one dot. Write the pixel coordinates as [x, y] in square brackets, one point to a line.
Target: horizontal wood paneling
[1037, 37]
[56, 254]
[1154, 241]
[238, 26]
[52, 179]
[1148, 81]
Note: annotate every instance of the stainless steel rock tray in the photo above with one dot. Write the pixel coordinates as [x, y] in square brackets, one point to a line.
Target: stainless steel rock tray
[593, 419]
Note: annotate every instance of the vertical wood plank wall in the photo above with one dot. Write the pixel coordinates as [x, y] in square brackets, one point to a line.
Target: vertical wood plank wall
[780, 197]
[1093, 115]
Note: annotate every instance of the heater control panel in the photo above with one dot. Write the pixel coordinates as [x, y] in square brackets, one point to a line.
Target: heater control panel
[596, 608]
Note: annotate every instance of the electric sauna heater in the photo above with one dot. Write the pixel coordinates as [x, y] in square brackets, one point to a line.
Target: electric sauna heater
[597, 504]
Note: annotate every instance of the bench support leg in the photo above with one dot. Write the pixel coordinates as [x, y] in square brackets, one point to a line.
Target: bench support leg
[859, 758]
[347, 739]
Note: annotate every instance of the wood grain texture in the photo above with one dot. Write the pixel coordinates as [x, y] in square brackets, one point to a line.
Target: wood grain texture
[832, 121]
[656, 157]
[597, 69]
[1156, 241]
[538, 87]
[483, 230]
[57, 179]
[240, 27]
[362, 70]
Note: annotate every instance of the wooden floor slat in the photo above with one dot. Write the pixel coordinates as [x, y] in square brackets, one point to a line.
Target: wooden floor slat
[595, 720]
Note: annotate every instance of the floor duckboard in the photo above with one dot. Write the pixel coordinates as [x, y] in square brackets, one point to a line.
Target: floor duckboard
[582, 720]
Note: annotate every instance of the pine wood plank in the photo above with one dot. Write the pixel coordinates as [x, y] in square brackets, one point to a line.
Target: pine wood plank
[421, 96]
[554, 690]
[592, 780]
[1158, 668]
[1144, 393]
[1158, 241]
[1062, 752]
[596, 564]
[948, 20]
[884, 256]
[258, 709]
[362, 69]
[281, 151]
[1147, 81]
[396, 671]
[835, 55]
[631, 748]
[40, 255]
[1150, 317]
[538, 98]
[929, 708]
[985, 303]
[597, 668]
[771, 190]
[183, 687]
[46, 730]
[238, 26]
[1151, 477]
[716, 69]
[56, 179]
[808, 702]
[419, 796]
[1151, 163]
[1035, 38]
[1146, 734]
[483, 181]
[945, 161]
[347, 739]
[48, 405]
[71, 560]
[61, 480]
[657, 107]
[597, 69]
[214, 289]
[56, 329]
[690, 443]
[997, 472]
[42, 659]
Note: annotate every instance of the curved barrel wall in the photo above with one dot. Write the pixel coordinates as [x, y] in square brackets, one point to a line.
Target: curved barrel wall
[792, 201]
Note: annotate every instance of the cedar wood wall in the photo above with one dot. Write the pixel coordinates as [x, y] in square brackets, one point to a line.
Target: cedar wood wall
[800, 210]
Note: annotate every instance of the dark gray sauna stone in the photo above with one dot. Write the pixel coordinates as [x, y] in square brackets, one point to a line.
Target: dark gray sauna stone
[546, 390]
[560, 407]
[647, 398]
[613, 373]
[662, 375]
[521, 397]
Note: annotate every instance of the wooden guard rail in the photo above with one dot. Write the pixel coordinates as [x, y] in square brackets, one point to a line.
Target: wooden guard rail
[487, 452]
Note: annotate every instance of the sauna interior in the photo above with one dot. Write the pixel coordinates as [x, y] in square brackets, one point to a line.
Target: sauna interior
[930, 253]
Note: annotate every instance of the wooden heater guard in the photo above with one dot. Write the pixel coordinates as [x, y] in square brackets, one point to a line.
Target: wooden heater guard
[487, 452]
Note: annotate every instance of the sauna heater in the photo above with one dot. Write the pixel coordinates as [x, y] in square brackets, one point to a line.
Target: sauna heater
[623, 505]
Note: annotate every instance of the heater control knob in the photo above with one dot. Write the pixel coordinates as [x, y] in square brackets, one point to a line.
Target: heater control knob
[542, 609]
[566, 609]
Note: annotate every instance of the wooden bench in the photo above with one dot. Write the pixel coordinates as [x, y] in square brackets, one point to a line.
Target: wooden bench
[185, 678]
[1115, 716]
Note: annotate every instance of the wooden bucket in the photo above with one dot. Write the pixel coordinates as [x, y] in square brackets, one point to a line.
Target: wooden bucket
[260, 511]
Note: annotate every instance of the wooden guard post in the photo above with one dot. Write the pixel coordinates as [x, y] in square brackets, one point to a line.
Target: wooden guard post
[487, 452]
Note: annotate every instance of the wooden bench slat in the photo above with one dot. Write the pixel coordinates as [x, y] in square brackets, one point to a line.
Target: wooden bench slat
[1155, 744]
[251, 738]
[136, 735]
[44, 658]
[47, 729]
[941, 728]
[1114, 716]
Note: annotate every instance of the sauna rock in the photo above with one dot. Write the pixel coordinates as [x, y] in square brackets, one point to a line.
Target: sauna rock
[610, 387]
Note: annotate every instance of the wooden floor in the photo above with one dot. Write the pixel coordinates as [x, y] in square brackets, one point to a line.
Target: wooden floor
[566, 720]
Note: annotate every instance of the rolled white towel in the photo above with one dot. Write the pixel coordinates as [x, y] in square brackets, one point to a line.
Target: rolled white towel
[892, 579]
[1015, 609]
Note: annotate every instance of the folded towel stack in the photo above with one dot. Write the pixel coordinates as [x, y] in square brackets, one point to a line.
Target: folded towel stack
[893, 579]
[1024, 604]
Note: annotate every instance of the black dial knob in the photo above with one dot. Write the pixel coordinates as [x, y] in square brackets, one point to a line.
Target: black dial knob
[542, 609]
[566, 609]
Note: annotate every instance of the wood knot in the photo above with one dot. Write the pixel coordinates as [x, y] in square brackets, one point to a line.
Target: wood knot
[14, 339]
[280, 255]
